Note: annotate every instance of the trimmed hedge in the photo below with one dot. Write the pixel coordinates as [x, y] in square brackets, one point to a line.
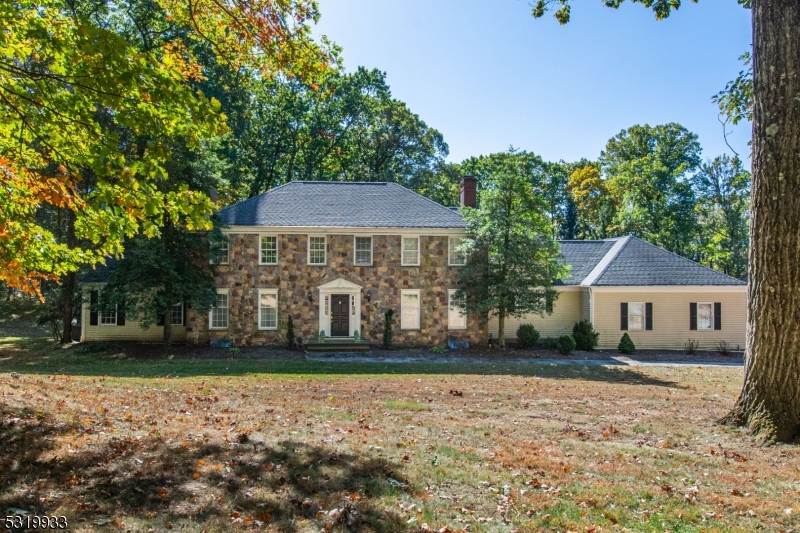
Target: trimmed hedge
[585, 336]
[527, 336]
[566, 344]
[626, 344]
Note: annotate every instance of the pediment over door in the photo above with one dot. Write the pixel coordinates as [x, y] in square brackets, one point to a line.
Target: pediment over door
[340, 284]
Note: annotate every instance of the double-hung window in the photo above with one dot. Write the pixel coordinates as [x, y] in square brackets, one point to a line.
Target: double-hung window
[316, 250]
[705, 316]
[224, 251]
[455, 256]
[177, 315]
[409, 309]
[109, 317]
[363, 251]
[268, 309]
[218, 316]
[410, 251]
[636, 316]
[269, 250]
[457, 311]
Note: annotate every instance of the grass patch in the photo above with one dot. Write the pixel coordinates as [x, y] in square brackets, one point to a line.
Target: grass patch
[406, 405]
[284, 444]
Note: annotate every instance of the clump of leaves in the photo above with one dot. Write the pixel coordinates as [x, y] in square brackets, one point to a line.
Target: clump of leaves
[691, 346]
[626, 344]
[387, 328]
[566, 344]
[234, 350]
[527, 336]
[321, 335]
[585, 336]
[290, 338]
[437, 349]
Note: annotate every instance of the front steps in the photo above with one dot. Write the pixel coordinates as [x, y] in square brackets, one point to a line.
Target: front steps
[338, 345]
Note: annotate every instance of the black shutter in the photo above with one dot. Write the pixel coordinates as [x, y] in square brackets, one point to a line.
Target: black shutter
[623, 316]
[121, 314]
[93, 308]
[184, 313]
[717, 315]
[693, 316]
[648, 316]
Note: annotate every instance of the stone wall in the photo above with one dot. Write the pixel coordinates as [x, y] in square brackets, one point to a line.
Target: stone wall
[294, 279]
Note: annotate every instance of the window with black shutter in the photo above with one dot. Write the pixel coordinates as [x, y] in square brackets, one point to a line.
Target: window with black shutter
[693, 316]
[648, 316]
[717, 315]
[623, 316]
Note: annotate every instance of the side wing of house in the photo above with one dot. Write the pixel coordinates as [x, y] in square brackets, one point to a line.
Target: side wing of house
[113, 325]
[566, 310]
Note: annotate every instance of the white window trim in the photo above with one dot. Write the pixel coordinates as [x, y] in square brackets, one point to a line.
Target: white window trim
[449, 244]
[261, 250]
[712, 316]
[181, 315]
[308, 250]
[450, 293]
[100, 317]
[644, 316]
[371, 250]
[419, 308]
[211, 312]
[268, 291]
[402, 250]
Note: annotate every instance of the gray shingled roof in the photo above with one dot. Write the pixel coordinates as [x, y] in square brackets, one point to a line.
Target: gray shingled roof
[636, 263]
[327, 204]
[583, 256]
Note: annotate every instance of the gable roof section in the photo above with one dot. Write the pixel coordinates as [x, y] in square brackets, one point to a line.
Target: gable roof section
[327, 204]
[583, 256]
[629, 261]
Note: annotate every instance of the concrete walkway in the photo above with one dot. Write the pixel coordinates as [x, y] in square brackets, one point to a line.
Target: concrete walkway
[433, 358]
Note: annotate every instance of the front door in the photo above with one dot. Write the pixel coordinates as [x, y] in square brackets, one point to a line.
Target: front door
[340, 315]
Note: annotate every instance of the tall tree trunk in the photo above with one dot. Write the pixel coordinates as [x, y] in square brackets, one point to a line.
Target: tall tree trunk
[167, 338]
[769, 403]
[68, 284]
[501, 328]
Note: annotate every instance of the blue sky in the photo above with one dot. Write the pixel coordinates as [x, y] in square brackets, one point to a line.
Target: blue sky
[488, 75]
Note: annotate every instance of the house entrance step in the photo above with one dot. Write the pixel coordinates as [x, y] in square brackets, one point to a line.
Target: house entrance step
[337, 346]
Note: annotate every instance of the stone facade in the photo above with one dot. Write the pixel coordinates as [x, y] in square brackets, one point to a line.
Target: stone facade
[295, 280]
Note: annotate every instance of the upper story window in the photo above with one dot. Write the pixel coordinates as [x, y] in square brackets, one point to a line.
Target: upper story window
[218, 316]
[224, 251]
[410, 251]
[317, 250]
[363, 251]
[455, 256]
[269, 250]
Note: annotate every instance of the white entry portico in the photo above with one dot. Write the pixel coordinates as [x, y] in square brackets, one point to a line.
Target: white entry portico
[340, 286]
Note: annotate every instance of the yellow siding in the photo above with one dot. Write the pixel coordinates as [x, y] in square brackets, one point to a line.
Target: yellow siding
[586, 304]
[670, 319]
[566, 311]
[131, 331]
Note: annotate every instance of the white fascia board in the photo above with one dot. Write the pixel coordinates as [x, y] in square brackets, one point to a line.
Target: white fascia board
[601, 267]
[344, 230]
[671, 288]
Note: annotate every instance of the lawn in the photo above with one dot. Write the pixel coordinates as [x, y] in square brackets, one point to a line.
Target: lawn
[284, 444]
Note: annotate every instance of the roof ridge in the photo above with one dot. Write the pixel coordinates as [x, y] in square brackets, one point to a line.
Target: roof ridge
[602, 265]
[423, 197]
[686, 259]
[256, 196]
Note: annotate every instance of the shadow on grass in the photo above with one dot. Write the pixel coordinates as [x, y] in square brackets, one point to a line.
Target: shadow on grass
[152, 482]
[149, 361]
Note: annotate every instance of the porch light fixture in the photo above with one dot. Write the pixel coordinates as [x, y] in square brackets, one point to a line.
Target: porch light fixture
[310, 296]
[369, 295]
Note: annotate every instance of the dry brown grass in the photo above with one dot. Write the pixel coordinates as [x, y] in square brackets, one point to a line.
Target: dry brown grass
[584, 451]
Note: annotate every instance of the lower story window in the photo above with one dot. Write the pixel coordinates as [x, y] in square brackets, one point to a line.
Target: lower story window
[457, 312]
[636, 316]
[409, 309]
[268, 309]
[109, 318]
[705, 316]
[218, 317]
[177, 315]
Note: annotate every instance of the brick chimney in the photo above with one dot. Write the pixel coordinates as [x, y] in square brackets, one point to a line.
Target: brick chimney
[468, 186]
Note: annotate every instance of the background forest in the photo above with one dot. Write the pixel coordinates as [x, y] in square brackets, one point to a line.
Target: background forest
[292, 113]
